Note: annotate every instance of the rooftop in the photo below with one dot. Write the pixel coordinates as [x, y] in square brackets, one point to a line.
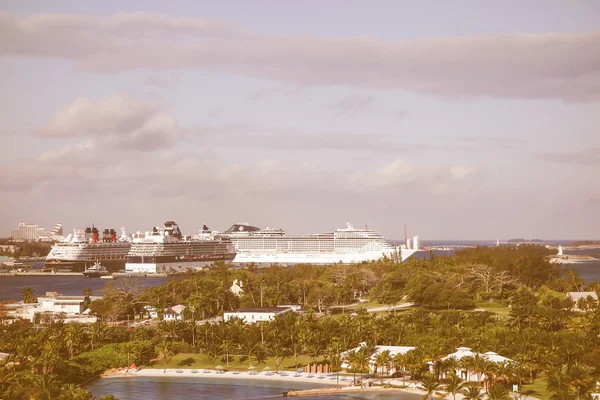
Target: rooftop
[582, 295]
[260, 309]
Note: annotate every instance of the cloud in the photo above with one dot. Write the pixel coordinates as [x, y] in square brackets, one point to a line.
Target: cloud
[117, 122]
[400, 173]
[353, 104]
[563, 66]
[586, 157]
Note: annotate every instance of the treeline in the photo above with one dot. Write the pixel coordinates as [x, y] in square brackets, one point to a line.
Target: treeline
[27, 249]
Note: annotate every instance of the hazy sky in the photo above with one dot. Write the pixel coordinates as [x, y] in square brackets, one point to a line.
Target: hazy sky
[463, 119]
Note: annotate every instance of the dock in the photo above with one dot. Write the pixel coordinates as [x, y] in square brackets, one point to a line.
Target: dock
[57, 274]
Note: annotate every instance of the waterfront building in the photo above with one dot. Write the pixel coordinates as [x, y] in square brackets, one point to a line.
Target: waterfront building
[393, 350]
[7, 261]
[251, 315]
[467, 374]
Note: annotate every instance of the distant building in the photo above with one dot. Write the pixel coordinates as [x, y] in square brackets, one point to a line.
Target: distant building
[251, 315]
[151, 311]
[7, 248]
[174, 313]
[71, 308]
[582, 300]
[7, 261]
[25, 232]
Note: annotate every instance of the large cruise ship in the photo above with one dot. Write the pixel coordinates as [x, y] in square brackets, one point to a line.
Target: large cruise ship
[348, 246]
[167, 250]
[82, 249]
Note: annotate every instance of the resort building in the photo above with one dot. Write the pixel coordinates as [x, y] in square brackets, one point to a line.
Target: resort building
[55, 306]
[7, 261]
[465, 373]
[582, 301]
[256, 314]
[174, 313]
[393, 350]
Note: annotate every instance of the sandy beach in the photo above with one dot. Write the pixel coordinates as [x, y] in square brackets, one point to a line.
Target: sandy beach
[345, 382]
[262, 375]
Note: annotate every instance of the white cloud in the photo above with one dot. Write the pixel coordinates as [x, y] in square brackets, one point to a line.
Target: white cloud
[554, 65]
[116, 122]
[400, 173]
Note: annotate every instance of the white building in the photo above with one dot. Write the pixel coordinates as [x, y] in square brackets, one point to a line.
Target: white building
[7, 261]
[466, 374]
[57, 303]
[151, 311]
[578, 299]
[25, 232]
[256, 314]
[236, 288]
[174, 313]
[393, 350]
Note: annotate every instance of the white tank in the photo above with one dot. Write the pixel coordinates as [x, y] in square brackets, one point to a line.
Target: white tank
[415, 243]
[408, 244]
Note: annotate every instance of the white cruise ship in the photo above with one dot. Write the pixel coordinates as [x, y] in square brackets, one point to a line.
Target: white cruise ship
[82, 249]
[166, 250]
[348, 246]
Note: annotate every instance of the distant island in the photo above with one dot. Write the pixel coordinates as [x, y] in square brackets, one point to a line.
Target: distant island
[582, 243]
[521, 240]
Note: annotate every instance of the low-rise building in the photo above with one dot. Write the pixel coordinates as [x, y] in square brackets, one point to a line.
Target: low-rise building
[256, 314]
[53, 305]
[582, 301]
[7, 261]
[373, 367]
[236, 288]
[174, 313]
[465, 373]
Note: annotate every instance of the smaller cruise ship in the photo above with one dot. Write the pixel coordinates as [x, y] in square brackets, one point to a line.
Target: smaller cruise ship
[166, 250]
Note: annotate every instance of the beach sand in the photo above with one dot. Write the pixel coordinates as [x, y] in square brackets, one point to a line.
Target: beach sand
[228, 375]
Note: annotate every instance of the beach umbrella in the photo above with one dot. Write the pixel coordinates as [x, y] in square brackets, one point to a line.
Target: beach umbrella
[219, 367]
[267, 368]
[252, 367]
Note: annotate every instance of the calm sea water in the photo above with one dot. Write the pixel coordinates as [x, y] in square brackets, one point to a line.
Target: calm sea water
[160, 388]
[11, 286]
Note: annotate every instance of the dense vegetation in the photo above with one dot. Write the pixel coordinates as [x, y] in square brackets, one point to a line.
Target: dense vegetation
[27, 249]
[540, 331]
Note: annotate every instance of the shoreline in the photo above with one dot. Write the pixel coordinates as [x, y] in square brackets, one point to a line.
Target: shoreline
[187, 373]
[344, 386]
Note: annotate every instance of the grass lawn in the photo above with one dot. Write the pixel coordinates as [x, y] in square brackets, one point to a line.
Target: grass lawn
[201, 361]
[497, 308]
[540, 387]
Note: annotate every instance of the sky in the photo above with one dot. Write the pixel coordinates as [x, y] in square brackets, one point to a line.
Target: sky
[462, 120]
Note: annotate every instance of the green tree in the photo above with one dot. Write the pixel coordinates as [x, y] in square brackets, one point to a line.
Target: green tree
[27, 294]
[165, 351]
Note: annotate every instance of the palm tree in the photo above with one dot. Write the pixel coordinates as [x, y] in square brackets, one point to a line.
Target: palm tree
[165, 350]
[27, 294]
[453, 384]
[382, 360]
[278, 352]
[430, 384]
[399, 360]
[472, 391]
[73, 335]
[498, 391]
[98, 333]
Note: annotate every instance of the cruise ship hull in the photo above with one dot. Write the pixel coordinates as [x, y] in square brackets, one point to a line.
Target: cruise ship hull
[79, 266]
[325, 258]
[154, 265]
